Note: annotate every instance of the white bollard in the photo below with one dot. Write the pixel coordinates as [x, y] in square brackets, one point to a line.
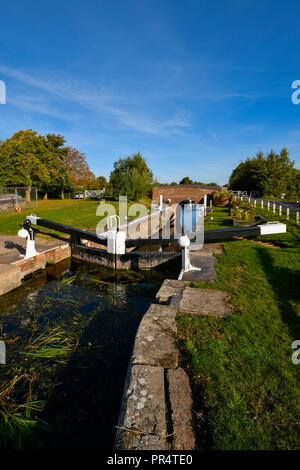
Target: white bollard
[254, 203]
[287, 213]
[184, 243]
[268, 205]
[262, 203]
[280, 211]
[30, 244]
[274, 208]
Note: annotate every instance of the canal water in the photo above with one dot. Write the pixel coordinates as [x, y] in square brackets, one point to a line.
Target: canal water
[69, 334]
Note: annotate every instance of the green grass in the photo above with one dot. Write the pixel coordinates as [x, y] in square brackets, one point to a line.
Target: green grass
[79, 213]
[246, 389]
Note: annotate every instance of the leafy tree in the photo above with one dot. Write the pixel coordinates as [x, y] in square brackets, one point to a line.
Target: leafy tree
[186, 180]
[54, 160]
[78, 169]
[272, 174]
[22, 161]
[131, 177]
[101, 182]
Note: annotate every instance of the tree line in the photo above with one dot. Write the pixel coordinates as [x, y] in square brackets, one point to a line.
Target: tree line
[29, 159]
[46, 162]
[272, 175]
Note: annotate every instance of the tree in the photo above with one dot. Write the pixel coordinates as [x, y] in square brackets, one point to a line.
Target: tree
[22, 161]
[101, 182]
[131, 177]
[272, 174]
[53, 158]
[78, 169]
[186, 180]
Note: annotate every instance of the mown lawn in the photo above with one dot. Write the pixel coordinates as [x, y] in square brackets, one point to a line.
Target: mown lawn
[246, 388]
[79, 213]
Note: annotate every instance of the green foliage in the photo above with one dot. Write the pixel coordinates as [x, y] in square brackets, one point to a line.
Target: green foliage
[131, 177]
[101, 182]
[271, 174]
[22, 159]
[52, 344]
[17, 416]
[28, 159]
[187, 180]
[243, 213]
[220, 194]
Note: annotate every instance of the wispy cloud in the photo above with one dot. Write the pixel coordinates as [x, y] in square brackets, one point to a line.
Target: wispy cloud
[98, 100]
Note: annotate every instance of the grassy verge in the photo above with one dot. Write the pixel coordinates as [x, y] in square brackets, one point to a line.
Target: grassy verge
[246, 389]
[77, 213]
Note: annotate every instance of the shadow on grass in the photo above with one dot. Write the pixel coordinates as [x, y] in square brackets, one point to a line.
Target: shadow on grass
[285, 284]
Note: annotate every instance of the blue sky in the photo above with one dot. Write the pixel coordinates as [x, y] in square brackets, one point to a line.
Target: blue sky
[195, 86]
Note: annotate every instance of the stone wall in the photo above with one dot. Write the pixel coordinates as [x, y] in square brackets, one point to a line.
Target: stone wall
[156, 410]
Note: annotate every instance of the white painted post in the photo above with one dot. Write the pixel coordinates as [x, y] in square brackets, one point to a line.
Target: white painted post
[274, 208]
[254, 203]
[242, 198]
[297, 217]
[249, 199]
[205, 203]
[268, 205]
[280, 210]
[210, 204]
[287, 213]
[160, 203]
[184, 243]
[115, 238]
[262, 203]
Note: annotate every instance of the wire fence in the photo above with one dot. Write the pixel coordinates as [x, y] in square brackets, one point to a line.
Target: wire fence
[17, 199]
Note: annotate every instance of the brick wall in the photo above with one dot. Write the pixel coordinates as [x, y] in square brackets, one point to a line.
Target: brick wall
[182, 192]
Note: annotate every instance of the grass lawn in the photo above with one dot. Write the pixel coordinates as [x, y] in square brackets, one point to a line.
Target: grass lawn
[246, 388]
[79, 213]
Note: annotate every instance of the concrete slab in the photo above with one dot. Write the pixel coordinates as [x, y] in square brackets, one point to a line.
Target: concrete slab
[155, 342]
[181, 403]
[205, 302]
[166, 292]
[143, 414]
[207, 265]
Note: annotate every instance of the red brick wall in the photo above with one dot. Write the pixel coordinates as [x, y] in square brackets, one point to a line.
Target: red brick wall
[181, 192]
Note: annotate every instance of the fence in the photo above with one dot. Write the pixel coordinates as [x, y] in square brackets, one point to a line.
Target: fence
[16, 198]
[288, 210]
[94, 193]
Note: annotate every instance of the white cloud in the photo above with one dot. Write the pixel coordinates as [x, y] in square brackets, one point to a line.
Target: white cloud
[100, 101]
